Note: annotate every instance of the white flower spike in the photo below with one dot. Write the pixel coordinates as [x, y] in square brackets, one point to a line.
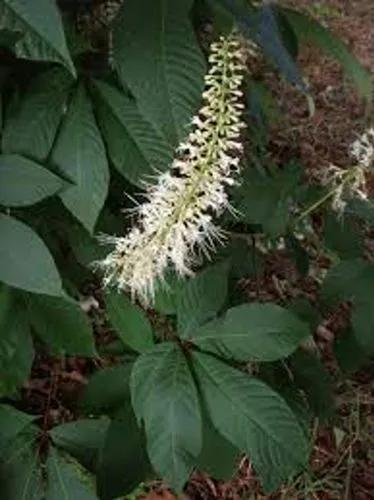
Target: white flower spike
[175, 224]
[362, 150]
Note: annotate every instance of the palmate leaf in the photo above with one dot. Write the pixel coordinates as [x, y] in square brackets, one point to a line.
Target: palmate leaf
[25, 261]
[24, 182]
[256, 332]
[79, 154]
[160, 62]
[135, 147]
[254, 418]
[40, 24]
[31, 126]
[164, 396]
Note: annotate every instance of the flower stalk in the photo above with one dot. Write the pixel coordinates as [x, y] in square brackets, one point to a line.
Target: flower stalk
[175, 224]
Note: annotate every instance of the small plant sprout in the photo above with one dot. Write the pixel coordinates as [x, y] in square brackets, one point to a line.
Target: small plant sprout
[175, 224]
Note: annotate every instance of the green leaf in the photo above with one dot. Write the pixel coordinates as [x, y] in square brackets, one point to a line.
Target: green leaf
[79, 154]
[20, 472]
[164, 396]
[42, 31]
[166, 293]
[107, 390]
[310, 374]
[218, 457]
[135, 147]
[309, 30]
[12, 423]
[258, 332]
[86, 247]
[201, 298]
[363, 324]
[16, 347]
[67, 479]
[254, 418]
[349, 354]
[23, 182]
[62, 325]
[307, 312]
[343, 237]
[25, 261]
[348, 280]
[82, 439]
[31, 126]
[160, 62]
[363, 209]
[267, 200]
[123, 460]
[129, 321]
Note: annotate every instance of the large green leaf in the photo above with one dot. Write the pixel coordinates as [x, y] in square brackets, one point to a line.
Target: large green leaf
[310, 374]
[343, 236]
[308, 29]
[123, 460]
[82, 439]
[161, 62]
[201, 297]
[165, 397]
[32, 124]
[41, 27]
[261, 332]
[67, 480]
[348, 280]
[254, 418]
[107, 390]
[62, 325]
[218, 457]
[363, 324]
[25, 261]
[129, 321]
[135, 147]
[349, 354]
[12, 423]
[20, 472]
[267, 200]
[79, 154]
[23, 182]
[16, 347]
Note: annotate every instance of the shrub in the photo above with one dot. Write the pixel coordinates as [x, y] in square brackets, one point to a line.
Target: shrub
[98, 105]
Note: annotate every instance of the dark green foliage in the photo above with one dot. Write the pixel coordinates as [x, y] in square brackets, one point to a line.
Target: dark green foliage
[208, 373]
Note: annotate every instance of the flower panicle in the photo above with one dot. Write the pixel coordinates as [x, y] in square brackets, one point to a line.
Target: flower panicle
[362, 149]
[175, 224]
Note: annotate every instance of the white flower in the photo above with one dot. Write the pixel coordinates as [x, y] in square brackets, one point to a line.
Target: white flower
[175, 224]
[344, 184]
[362, 150]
